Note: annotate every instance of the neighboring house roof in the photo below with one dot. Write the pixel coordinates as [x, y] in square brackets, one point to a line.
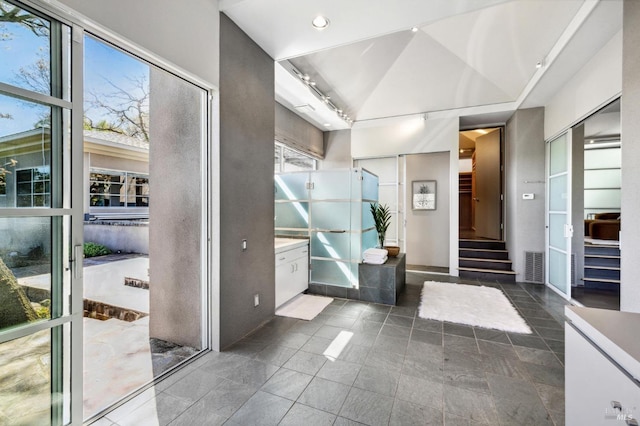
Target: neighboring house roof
[102, 136]
[95, 141]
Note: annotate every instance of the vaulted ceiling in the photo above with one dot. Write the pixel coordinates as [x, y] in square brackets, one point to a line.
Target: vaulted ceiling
[479, 58]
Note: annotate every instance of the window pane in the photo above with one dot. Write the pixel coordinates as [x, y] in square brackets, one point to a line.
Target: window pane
[118, 189]
[26, 380]
[25, 59]
[25, 270]
[276, 159]
[25, 152]
[295, 161]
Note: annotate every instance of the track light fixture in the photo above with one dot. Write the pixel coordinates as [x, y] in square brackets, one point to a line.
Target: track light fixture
[306, 79]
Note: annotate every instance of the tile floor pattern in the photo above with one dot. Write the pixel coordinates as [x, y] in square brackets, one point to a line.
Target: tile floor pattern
[397, 369]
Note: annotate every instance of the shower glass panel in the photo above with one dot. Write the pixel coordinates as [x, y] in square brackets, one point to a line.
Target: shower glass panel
[331, 208]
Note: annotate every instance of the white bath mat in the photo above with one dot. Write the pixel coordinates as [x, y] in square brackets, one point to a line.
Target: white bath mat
[472, 305]
[304, 306]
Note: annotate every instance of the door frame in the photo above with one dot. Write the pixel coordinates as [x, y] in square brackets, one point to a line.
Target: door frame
[501, 128]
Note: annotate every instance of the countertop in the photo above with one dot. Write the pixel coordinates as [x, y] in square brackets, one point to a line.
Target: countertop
[616, 333]
[285, 244]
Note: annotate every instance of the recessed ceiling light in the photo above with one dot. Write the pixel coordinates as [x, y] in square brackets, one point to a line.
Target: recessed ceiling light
[414, 29]
[320, 22]
[327, 124]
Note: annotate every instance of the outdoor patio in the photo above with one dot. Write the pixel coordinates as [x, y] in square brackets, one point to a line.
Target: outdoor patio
[119, 356]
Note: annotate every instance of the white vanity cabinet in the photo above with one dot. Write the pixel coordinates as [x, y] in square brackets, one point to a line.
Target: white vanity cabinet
[292, 268]
[601, 367]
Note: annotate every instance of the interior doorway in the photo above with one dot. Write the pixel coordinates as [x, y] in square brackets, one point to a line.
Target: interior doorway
[598, 267]
[480, 184]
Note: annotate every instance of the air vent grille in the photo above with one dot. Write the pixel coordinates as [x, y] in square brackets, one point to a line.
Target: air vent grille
[534, 267]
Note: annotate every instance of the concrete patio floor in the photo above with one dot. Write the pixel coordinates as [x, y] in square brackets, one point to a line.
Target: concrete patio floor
[119, 356]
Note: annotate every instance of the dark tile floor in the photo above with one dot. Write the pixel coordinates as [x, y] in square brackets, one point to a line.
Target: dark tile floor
[397, 369]
[594, 298]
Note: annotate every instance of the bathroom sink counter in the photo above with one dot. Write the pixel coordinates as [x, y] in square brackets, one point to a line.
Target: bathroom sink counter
[285, 244]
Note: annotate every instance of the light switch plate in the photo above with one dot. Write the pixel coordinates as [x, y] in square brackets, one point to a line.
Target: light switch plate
[528, 196]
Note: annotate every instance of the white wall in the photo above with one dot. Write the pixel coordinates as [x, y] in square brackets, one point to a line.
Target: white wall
[407, 135]
[596, 84]
[428, 231]
[185, 34]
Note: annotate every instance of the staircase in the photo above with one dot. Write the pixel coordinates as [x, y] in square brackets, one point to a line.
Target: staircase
[485, 260]
[602, 267]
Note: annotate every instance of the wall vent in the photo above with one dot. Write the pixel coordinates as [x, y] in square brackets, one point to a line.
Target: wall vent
[534, 267]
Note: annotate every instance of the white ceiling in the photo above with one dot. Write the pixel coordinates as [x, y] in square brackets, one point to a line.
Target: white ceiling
[476, 57]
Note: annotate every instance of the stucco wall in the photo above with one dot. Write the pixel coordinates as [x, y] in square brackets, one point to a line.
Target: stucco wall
[630, 119]
[525, 174]
[175, 210]
[247, 103]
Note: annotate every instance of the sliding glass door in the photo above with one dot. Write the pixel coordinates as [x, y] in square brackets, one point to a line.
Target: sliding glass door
[559, 228]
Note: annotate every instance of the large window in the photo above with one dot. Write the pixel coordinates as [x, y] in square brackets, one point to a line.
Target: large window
[108, 188]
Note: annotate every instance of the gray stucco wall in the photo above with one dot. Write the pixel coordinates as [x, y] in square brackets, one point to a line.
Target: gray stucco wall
[630, 129]
[428, 230]
[337, 150]
[175, 228]
[525, 173]
[247, 130]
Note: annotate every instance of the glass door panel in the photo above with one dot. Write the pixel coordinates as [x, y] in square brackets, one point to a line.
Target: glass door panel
[38, 223]
[559, 230]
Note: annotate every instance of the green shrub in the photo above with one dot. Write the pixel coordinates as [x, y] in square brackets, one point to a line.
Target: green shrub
[94, 249]
[42, 312]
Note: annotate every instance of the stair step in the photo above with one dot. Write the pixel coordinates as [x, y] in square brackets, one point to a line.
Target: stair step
[482, 244]
[601, 256]
[601, 250]
[487, 274]
[485, 270]
[606, 268]
[486, 260]
[494, 264]
[601, 284]
[483, 254]
[604, 280]
[599, 274]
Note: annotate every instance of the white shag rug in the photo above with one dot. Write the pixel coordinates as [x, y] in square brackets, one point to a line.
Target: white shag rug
[473, 305]
[304, 306]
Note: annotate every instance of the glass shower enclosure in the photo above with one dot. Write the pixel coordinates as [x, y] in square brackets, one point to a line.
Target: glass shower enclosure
[331, 208]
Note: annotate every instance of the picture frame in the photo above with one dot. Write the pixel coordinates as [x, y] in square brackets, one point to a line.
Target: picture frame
[424, 194]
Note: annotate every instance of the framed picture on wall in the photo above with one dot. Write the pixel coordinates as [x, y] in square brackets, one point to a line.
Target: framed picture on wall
[424, 194]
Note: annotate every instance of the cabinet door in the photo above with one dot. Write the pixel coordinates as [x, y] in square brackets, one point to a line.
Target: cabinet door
[283, 278]
[300, 280]
[594, 385]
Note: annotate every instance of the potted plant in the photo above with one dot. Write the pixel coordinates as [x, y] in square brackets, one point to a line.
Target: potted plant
[382, 219]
